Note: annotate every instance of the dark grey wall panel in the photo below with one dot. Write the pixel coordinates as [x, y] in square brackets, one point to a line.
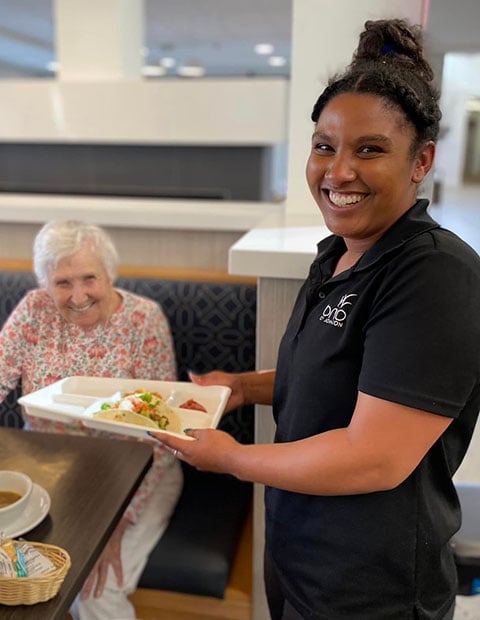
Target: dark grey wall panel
[230, 173]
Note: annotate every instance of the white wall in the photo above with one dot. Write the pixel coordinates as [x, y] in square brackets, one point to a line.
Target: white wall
[249, 111]
[460, 82]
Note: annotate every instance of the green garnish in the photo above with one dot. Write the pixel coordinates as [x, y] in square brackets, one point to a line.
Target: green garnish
[146, 397]
[105, 406]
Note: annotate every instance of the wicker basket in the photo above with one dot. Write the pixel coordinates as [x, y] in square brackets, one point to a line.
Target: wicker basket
[30, 590]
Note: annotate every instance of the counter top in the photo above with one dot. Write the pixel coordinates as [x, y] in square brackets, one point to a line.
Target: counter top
[136, 212]
[280, 246]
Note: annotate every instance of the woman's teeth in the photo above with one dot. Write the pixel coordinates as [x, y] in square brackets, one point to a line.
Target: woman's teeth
[342, 200]
[81, 308]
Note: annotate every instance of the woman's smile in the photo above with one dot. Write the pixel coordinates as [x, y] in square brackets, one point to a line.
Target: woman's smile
[344, 199]
[81, 309]
[361, 171]
[82, 290]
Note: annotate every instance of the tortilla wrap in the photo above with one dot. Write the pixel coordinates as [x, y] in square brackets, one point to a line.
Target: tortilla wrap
[130, 417]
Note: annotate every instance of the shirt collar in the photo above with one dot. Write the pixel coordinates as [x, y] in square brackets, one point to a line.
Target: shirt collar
[411, 224]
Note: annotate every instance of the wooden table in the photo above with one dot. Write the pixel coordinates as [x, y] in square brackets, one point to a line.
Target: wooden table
[90, 482]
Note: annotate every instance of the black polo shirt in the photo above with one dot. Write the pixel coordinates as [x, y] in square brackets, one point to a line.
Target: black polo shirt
[403, 324]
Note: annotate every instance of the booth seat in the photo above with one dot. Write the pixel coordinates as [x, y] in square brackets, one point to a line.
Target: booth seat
[213, 327]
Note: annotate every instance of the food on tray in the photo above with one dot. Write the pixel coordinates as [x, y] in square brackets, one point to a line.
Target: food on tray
[192, 404]
[142, 408]
[125, 416]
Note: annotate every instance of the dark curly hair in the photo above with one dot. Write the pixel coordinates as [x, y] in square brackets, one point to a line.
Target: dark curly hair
[389, 63]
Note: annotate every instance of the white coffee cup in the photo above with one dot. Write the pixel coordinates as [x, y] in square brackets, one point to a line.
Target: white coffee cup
[16, 482]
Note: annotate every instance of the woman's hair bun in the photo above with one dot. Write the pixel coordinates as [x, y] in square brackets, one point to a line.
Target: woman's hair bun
[389, 63]
[393, 40]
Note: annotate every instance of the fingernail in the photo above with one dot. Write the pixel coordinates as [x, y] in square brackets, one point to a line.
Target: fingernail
[187, 430]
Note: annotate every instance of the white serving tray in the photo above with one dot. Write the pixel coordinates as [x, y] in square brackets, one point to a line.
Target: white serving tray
[75, 398]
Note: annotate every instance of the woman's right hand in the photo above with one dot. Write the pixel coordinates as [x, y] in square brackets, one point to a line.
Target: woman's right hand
[231, 380]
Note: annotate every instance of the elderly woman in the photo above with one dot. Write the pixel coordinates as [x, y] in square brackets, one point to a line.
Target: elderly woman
[78, 323]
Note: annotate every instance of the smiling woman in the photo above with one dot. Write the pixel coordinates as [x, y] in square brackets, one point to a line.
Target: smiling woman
[373, 412]
[78, 323]
[360, 170]
[82, 290]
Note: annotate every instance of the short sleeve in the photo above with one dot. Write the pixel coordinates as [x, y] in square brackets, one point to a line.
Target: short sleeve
[422, 338]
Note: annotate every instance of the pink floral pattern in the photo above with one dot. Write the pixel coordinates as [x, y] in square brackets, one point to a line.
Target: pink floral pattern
[39, 346]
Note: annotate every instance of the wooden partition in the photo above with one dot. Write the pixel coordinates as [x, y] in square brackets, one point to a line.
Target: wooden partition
[141, 271]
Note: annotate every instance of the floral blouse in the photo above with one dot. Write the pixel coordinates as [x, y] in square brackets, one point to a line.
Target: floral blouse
[40, 347]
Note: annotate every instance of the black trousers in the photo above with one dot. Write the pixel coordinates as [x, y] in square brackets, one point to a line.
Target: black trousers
[280, 608]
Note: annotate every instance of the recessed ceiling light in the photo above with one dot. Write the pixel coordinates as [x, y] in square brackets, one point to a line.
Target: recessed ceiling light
[153, 71]
[264, 48]
[277, 61]
[191, 71]
[167, 62]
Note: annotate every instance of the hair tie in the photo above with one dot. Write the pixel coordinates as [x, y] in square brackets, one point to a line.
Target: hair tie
[388, 49]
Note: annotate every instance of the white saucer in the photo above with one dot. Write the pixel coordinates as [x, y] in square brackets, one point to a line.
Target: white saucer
[35, 512]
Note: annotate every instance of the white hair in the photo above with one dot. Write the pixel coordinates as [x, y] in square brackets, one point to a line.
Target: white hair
[60, 239]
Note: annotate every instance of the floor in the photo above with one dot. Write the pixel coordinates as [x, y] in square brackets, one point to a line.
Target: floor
[467, 608]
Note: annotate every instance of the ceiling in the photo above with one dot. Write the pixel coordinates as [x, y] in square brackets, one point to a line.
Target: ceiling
[219, 34]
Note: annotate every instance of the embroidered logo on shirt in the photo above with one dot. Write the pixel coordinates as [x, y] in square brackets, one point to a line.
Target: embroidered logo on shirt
[337, 315]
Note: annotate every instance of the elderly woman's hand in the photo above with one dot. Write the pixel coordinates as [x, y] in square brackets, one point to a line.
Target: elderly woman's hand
[111, 556]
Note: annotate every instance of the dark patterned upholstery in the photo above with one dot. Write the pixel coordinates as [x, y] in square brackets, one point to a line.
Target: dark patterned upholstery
[213, 327]
[13, 286]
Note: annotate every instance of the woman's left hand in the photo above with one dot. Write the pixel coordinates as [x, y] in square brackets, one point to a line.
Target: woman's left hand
[212, 450]
[111, 556]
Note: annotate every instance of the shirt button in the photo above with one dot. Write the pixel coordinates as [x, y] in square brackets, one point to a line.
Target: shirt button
[321, 295]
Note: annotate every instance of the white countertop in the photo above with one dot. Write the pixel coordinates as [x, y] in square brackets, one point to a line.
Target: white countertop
[281, 246]
[136, 212]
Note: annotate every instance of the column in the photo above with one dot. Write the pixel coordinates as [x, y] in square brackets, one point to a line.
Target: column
[99, 39]
[324, 37]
